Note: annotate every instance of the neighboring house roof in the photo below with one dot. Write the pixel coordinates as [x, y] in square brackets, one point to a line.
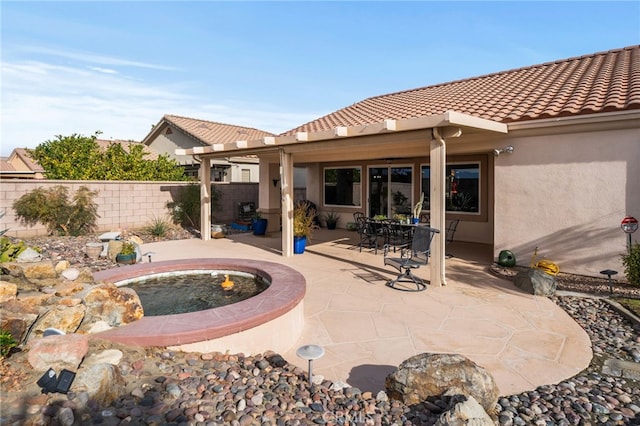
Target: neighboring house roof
[596, 83]
[19, 165]
[150, 154]
[207, 132]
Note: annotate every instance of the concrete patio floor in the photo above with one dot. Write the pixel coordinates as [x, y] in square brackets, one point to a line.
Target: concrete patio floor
[367, 329]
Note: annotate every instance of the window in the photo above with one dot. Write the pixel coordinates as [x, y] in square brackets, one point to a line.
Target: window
[342, 186]
[462, 187]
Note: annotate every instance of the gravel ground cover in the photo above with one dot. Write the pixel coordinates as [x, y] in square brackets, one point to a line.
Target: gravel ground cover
[175, 388]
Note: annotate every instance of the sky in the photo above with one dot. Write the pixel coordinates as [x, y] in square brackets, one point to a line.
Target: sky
[117, 67]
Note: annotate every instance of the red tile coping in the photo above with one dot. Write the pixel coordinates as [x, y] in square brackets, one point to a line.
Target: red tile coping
[286, 290]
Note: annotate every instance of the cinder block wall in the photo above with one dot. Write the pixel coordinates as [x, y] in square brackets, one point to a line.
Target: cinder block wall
[121, 204]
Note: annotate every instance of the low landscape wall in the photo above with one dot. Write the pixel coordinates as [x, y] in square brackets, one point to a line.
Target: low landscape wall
[121, 204]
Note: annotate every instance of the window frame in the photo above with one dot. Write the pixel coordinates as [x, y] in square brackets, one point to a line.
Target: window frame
[324, 187]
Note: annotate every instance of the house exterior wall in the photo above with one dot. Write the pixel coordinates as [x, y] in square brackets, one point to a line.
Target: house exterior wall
[566, 194]
[121, 205]
[167, 144]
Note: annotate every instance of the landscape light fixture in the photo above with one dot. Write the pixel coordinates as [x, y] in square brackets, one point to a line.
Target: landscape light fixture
[508, 149]
[310, 352]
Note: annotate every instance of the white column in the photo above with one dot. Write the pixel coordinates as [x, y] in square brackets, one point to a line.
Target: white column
[437, 162]
[205, 199]
[286, 182]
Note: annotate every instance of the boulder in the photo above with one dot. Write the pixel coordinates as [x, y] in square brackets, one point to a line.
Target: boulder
[116, 306]
[64, 318]
[432, 375]
[102, 382]
[17, 318]
[536, 282]
[68, 288]
[8, 291]
[465, 411]
[58, 351]
[39, 271]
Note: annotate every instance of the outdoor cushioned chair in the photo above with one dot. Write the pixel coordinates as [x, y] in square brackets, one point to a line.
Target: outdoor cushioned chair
[411, 257]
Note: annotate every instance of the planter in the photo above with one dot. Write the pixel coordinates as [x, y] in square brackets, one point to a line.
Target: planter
[331, 225]
[299, 244]
[259, 226]
[415, 220]
[93, 250]
[126, 259]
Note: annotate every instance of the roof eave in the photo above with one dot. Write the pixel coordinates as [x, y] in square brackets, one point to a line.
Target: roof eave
[449, 118]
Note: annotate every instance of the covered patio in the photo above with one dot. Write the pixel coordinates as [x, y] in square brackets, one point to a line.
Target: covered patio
[389, 140]
[367, 329]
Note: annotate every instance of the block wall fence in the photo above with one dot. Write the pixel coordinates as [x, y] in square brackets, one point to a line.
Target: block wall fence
[121, 204]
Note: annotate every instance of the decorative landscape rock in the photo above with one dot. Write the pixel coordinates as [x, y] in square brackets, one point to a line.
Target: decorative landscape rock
[64, 318]
[536, 282]
[58, 351]
[17, 318]
[103, 383]
[116, 306]
[465, 412]
[8, 291]
[431, 375]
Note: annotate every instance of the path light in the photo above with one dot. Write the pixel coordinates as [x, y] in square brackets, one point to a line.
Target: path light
[608, 273]
[310, 352]
[149, 254]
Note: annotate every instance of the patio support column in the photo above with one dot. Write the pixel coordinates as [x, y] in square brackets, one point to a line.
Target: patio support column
[205, 198]
[286, 186]
[438, 164]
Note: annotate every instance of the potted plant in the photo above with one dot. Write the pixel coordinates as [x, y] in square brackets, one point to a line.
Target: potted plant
[303, 217]
[417, 209]
[331, 219]
[127, 254]
[259, 224]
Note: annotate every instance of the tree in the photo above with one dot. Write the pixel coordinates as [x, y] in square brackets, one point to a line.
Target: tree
[78, 157]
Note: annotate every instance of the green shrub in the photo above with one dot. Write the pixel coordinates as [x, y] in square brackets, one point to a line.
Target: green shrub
[158, 227]
[185, 209]
[631, 262]
[52, 208]
[7, 342]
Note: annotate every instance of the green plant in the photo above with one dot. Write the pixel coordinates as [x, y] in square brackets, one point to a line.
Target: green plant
[52, 208]
[303, 217]
[185, 209]
[158, 227]
[631, 262]
[331, 218]
[128, 248]
[7, 342]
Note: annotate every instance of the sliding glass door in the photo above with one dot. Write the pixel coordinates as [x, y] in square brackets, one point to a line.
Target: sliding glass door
[390, 190]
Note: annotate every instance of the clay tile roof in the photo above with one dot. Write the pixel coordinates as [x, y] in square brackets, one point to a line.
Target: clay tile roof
[589, 84]
[211, 132]
[5, 166]
[33, 165]
[150, 154]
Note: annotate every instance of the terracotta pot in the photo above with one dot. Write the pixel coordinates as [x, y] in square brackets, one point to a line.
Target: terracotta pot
[93, 250]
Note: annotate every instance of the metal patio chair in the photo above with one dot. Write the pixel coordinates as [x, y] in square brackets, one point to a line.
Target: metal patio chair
[411, 257]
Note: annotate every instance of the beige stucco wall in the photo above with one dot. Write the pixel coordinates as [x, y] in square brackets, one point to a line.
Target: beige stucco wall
[121, 205]
[566, 194]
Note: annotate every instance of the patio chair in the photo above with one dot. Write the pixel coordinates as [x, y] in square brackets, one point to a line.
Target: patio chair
[451, 231]
[369, 232]
[413, 257]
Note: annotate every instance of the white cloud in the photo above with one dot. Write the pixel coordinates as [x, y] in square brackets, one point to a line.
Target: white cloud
[104, 70]
[42, 100]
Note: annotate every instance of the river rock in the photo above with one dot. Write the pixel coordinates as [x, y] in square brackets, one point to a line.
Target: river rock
[58, 351]
[432, 375]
